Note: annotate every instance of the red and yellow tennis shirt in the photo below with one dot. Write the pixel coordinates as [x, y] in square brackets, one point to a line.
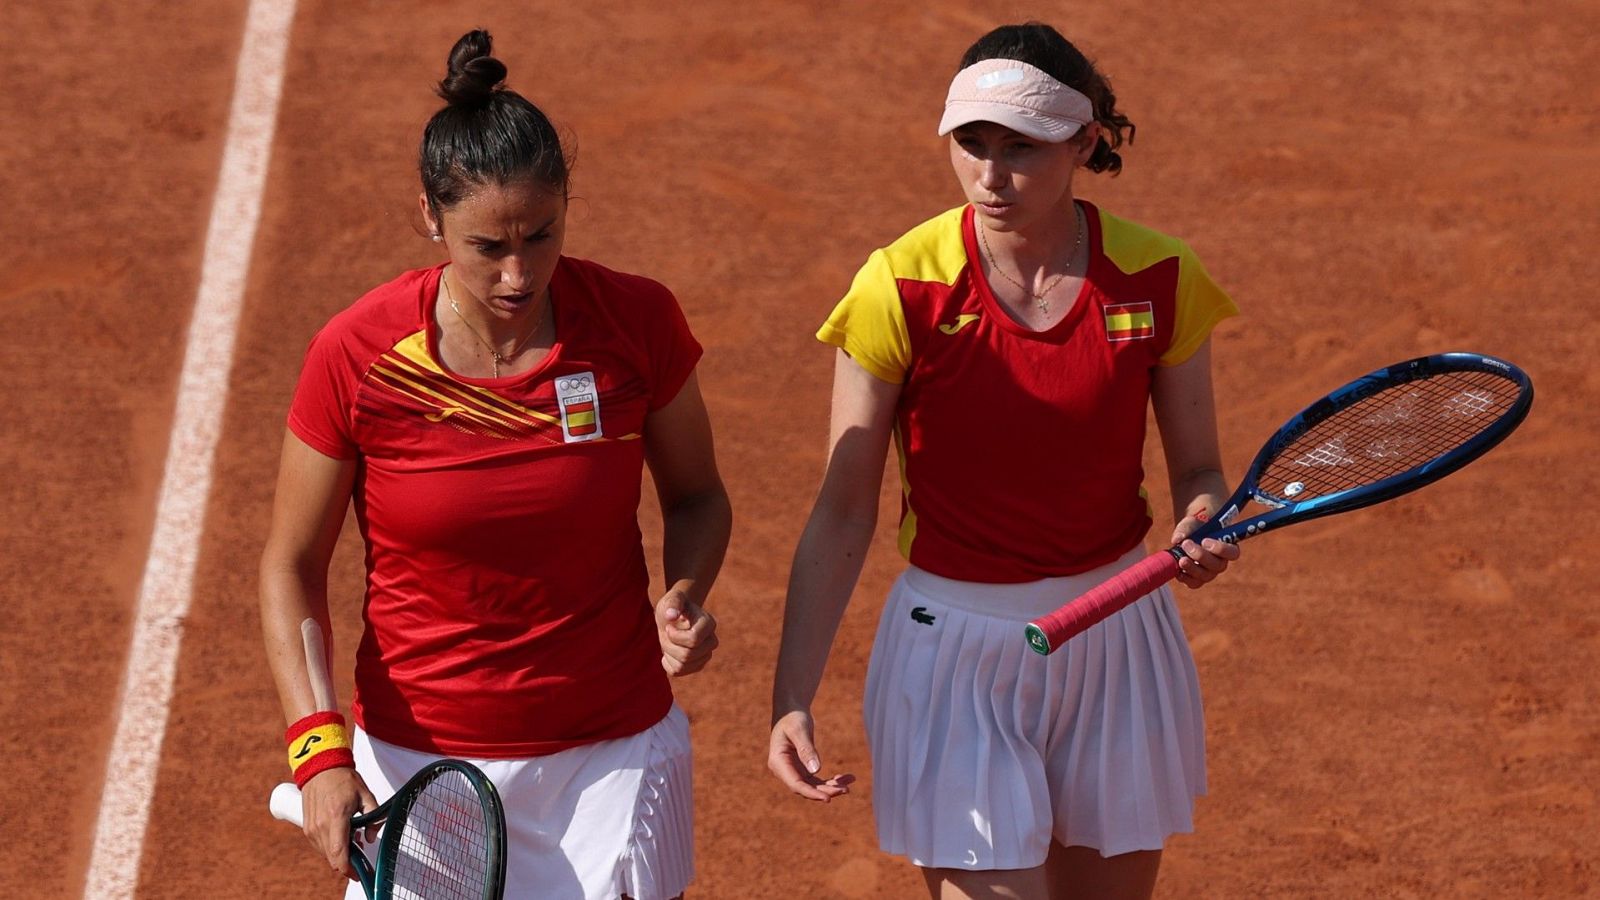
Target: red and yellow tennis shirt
[1021, 452]
[507, 603]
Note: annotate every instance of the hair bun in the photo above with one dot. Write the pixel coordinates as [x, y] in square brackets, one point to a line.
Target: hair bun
[474, 75]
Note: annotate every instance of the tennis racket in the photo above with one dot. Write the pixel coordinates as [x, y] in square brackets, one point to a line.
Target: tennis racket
[444, 836]
[1384, 434]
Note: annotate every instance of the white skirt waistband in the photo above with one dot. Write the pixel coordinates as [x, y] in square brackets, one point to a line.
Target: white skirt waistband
[1022, 602]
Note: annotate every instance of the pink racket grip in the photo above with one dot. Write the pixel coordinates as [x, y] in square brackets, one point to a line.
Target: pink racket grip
[1049, 632]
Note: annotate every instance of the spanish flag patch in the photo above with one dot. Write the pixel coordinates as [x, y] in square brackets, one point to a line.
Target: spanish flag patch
[1130, 321]
[580, 419]
[579, 397]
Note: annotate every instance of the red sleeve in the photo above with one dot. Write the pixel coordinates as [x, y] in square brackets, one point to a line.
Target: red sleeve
[324, 398]
[674, 352]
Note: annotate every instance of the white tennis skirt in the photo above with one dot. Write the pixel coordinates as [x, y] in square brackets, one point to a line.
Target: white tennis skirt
[983, 751]
[591, 823]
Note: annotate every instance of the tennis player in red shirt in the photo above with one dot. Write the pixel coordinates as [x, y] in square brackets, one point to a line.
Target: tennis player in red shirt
[490, 418]
[1011, 347]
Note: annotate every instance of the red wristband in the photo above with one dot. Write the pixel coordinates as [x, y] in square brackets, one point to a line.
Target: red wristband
[318, 743]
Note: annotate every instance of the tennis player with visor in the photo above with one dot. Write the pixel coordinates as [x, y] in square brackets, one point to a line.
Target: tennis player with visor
[1011, 347]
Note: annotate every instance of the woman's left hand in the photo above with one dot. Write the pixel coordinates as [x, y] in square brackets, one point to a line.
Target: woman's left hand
[1205, 560]
[688, 634]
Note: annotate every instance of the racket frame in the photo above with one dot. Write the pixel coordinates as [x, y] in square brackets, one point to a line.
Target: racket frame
[1229, 526]
[1283, 511]
[377, 881]
[400, 810]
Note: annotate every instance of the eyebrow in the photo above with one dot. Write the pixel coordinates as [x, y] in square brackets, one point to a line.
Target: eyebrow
[484, 239]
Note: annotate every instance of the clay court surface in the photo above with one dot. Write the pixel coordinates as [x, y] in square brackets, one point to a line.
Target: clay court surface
[1400, 703]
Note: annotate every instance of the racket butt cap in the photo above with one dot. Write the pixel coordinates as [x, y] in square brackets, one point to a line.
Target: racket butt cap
[285, 804]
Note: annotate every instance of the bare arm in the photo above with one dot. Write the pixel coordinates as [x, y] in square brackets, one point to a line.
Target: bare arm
[313, 493]
[826, 564]
[696, 520]
[1186, 413]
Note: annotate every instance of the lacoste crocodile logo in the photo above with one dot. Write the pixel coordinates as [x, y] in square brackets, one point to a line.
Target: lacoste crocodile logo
[919, 614]
[961, 322]
[306, 747]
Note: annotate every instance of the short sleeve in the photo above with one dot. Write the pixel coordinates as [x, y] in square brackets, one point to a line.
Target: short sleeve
[1199, 306]
[870, 324]
[324, 399]
[674, 352]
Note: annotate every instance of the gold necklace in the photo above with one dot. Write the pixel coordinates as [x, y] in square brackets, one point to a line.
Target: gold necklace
[494, 354]
[1039, 298]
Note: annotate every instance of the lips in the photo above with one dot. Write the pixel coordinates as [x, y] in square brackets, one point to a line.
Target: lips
[513, 301]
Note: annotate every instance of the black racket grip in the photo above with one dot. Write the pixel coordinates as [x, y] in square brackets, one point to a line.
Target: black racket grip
[1049, 632]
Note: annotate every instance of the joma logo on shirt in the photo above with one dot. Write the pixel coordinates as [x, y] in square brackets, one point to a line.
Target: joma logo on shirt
[444, 413]
[961, 322]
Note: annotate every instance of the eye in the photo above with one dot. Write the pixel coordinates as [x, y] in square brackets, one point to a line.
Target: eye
[488, 248]
[539, 237]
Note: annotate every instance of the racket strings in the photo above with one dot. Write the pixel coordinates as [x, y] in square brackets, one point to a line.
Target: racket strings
[1398, 429]
[443, 851]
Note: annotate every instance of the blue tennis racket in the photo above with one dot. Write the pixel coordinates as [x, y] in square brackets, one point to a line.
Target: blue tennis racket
[444, 836]
[1384, 434]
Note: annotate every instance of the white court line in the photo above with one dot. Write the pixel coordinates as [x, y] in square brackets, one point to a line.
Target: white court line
[167, 588]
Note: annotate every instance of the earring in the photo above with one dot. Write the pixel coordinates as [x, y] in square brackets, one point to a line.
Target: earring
[438, 237]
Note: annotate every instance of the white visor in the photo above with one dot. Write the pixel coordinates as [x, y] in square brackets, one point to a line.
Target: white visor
[1017, 95]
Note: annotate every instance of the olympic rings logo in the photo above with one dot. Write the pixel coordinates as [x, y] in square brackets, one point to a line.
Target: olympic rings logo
[582, 383]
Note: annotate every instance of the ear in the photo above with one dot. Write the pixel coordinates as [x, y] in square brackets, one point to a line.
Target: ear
[1087, 138]
[435, 227]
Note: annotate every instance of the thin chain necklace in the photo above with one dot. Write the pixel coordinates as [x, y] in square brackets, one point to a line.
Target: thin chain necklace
[494, 354]
[1039, 298]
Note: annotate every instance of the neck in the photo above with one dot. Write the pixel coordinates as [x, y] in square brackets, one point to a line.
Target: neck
[1047, 244]
[505, 332]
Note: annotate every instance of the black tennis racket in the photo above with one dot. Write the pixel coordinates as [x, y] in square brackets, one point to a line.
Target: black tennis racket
[444, 836]
[1380, 436]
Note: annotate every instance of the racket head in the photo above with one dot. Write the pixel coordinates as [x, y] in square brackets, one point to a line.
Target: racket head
[444, 837]
[1384, 434]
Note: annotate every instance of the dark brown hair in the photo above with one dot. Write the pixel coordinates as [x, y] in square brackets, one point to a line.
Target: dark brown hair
[1042, 47]
[486, 133]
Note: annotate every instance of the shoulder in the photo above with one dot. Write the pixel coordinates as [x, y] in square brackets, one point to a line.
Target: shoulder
[1134, 247]
[384, 315]
[1162, 269]
[630, 314]
[609, 287]
[934, 250]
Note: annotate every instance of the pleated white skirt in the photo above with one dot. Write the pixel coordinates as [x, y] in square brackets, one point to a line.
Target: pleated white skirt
[983, 751]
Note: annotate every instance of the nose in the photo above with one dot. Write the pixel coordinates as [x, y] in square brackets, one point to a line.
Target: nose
[992, 175]
[517, 274]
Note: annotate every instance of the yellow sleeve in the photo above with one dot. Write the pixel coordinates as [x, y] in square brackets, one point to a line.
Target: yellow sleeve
[1199, 306]
[870, 324]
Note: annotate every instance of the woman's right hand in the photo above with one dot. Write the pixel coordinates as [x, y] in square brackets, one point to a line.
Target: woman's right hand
[328, 801]
[792, 756]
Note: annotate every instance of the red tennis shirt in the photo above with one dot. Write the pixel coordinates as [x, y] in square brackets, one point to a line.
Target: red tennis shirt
[507, 603]
[1021, 452]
